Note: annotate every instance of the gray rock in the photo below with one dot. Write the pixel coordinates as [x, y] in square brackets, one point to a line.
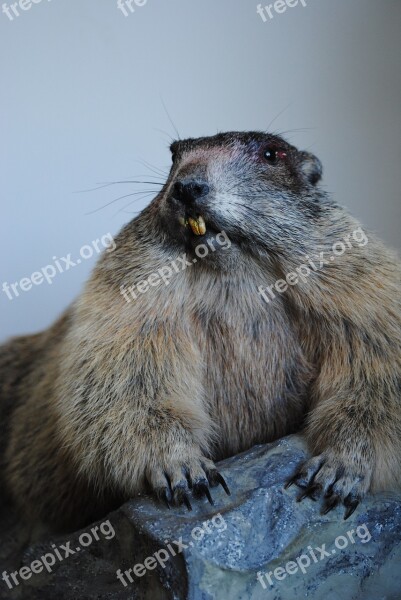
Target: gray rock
[259, 528]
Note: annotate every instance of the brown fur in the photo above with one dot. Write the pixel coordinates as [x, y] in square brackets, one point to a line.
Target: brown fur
[116, 395]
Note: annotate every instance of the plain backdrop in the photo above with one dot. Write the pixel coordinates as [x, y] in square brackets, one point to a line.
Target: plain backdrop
[83, 90]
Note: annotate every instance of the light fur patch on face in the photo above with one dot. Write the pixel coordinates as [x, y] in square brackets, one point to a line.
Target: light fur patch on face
[222, 173]
[220, 169]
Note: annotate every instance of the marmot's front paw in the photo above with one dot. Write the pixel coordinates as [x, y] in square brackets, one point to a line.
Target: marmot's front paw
[173, 480]
[339, 481]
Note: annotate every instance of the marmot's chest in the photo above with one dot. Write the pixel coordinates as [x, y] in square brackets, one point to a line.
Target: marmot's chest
[255, 380]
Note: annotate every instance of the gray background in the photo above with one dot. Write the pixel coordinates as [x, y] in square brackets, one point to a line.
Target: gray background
[82, 102]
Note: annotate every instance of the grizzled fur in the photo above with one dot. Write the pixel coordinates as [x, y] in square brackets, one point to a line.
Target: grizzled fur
[120, 397]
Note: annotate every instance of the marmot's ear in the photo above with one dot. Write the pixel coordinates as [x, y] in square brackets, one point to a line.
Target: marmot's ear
[311, 167]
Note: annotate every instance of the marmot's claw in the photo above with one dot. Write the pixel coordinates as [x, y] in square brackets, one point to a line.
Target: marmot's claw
[330, 503]
[350, 502]
[223, 483]
[187, 502]
[329, 491]
[312, 491]
[209, 496]
[215, 479]
[329, 476]
[291, 481]
[201, 488]
[164, 495]
[181, 497]
[174, 484]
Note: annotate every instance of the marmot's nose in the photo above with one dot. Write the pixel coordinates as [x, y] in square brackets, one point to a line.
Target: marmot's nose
[188, 192]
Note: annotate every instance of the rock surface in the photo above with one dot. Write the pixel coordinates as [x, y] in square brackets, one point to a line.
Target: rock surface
[259, 528]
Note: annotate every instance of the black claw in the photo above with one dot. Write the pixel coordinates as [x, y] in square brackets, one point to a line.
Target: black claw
[329, 492]
[302, 496]
[165, 498]
[330, 503]
[310, 492]
[201, 488]
[164, 495]
[187, 502]
[350, 503]
[300, 479]
[350, 510]
[208, 495]
[220, 479]
[291, 481]
[181, 497]
[215, 479]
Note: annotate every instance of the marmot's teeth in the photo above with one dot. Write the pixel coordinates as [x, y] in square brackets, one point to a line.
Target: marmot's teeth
[197, 225]
[183, 221]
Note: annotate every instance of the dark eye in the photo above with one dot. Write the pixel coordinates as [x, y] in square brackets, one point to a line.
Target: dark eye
[273, 156]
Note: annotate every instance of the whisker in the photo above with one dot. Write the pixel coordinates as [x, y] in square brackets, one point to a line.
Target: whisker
[300, 129]
[132, 201]
[147, 192]
[156, 170]
[105, 184]
[170, 138]
[169, 118]
[278, 116]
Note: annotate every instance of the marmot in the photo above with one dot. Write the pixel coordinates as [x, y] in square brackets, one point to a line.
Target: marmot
[142, 385]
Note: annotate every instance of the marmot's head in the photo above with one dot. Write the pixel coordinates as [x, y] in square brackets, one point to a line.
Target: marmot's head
[257, 188]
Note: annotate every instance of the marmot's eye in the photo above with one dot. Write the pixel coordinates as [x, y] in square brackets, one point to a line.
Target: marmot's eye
[273, 156]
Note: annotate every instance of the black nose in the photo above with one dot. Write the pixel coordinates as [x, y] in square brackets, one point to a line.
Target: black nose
[190, 191]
